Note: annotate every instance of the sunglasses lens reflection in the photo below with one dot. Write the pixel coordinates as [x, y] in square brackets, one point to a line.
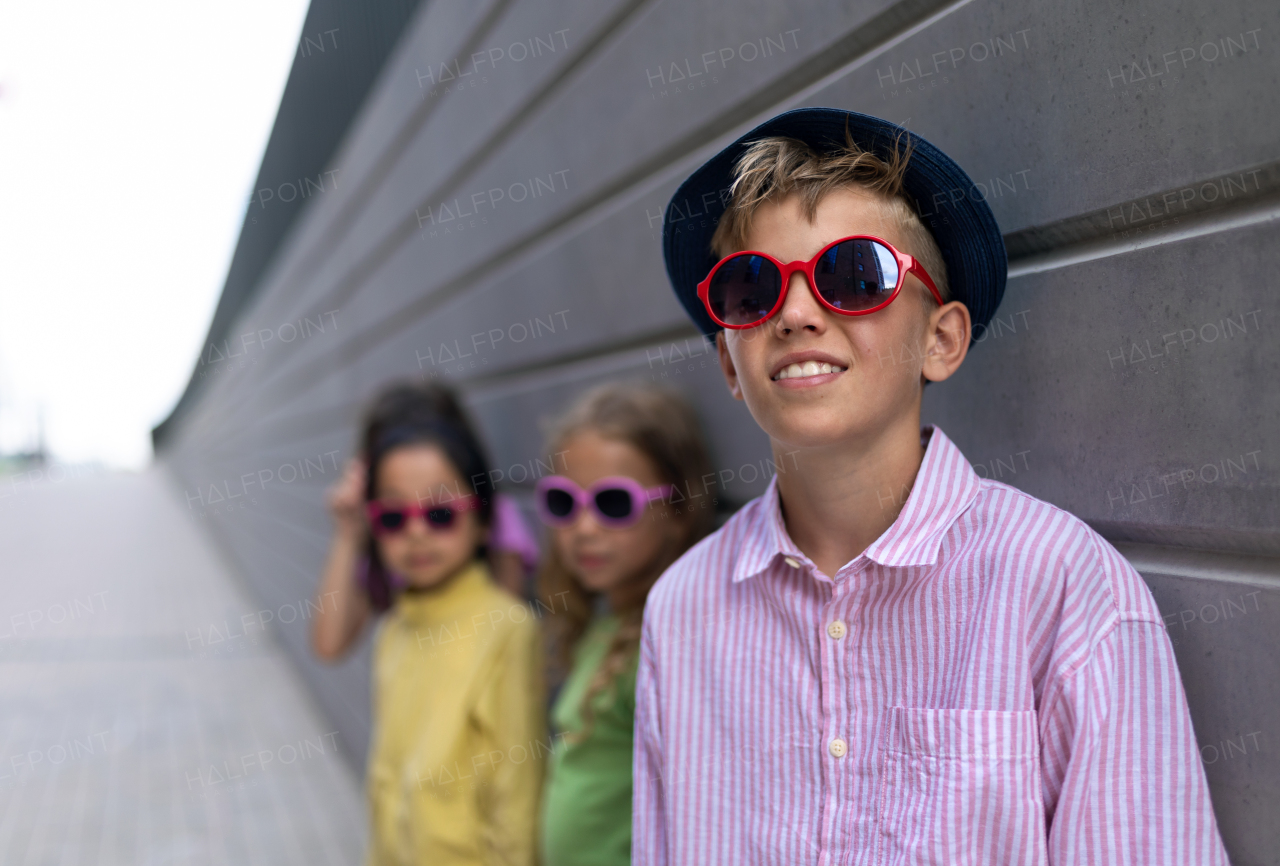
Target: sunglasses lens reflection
[856, 275]
[744, 290]
[559, 503]
[614, 503]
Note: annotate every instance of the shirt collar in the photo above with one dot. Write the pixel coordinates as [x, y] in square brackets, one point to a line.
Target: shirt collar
[767, 538]
[945, 487]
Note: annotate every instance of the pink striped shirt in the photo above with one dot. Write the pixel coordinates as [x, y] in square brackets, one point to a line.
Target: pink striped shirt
[989, 682]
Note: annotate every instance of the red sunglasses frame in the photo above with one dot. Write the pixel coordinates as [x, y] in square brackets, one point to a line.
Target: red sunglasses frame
[375, 509]
[906, 265]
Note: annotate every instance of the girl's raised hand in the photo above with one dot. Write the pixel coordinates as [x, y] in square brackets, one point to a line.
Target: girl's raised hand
[346, 499]
[344, 607]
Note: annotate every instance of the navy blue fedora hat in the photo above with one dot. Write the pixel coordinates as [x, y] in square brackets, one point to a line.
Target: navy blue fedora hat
[952, 207]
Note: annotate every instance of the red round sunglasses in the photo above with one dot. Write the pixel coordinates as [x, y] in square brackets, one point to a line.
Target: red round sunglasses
[388, 519]
[852, 276]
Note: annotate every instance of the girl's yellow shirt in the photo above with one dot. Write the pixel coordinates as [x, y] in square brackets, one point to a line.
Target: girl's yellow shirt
[459, 737]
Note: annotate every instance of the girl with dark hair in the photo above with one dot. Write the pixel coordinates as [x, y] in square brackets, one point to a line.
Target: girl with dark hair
[454, 766]
[631, 501]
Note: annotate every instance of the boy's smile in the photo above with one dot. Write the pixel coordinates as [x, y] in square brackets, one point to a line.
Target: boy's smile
[806, 369]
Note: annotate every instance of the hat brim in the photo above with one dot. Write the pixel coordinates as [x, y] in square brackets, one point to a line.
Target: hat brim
[952, 207]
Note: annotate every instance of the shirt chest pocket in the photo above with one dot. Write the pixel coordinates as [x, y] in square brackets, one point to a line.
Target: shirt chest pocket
[960, 787]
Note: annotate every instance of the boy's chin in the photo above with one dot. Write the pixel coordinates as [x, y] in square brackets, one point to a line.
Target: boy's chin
[801, 430]
[857, 412]
[805, 424]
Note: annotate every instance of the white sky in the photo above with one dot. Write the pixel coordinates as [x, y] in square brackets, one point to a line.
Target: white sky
[130, 137]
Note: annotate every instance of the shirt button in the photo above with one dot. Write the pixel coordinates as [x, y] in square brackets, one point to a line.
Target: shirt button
[791, 562]
[838, 748]
[836, 629]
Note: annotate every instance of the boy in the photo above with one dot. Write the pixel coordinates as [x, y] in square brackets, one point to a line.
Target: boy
[885, 658]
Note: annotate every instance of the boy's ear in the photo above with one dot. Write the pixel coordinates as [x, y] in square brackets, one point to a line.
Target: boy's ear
[726, 366]
[946, 341]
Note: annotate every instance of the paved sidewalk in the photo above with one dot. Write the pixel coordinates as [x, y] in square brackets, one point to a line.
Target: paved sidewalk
[131, 732]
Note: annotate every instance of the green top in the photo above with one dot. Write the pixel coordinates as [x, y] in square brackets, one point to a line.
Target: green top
[586, 815]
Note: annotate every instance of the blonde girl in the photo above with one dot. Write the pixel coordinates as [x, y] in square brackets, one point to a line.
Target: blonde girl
[630, 502]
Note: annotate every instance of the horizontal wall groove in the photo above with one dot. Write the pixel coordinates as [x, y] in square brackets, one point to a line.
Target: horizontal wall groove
[1200, 564]
[351, 207]
[1240, 198]
[368, 264]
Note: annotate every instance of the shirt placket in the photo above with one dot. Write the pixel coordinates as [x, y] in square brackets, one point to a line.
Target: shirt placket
[834, 639]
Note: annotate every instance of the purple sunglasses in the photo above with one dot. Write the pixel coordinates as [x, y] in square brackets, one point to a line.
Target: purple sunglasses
[616, 502]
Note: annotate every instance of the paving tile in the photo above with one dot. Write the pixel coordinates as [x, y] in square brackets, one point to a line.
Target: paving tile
[133, 729]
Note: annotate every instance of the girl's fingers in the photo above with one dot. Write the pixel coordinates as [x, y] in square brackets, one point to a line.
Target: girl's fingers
[354, 480]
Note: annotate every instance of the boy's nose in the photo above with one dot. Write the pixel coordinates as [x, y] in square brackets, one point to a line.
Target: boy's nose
[801, 310]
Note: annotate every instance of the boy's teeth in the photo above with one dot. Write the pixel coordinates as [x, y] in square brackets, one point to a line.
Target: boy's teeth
[808, 368]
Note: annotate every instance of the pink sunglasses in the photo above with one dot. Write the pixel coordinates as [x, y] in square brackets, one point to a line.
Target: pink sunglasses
[388, 519]
[616, 502]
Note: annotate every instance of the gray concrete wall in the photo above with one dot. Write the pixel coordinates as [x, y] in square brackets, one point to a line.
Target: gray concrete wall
[490, 210]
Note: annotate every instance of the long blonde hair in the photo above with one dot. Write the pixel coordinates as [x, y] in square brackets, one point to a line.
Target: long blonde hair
[659, 424]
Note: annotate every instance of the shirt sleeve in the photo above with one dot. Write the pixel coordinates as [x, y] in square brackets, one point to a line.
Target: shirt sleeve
[512, 712]
[1123, 780]
[648, 834]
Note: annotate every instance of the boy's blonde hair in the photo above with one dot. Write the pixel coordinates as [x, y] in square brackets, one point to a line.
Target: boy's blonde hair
[775, 167]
